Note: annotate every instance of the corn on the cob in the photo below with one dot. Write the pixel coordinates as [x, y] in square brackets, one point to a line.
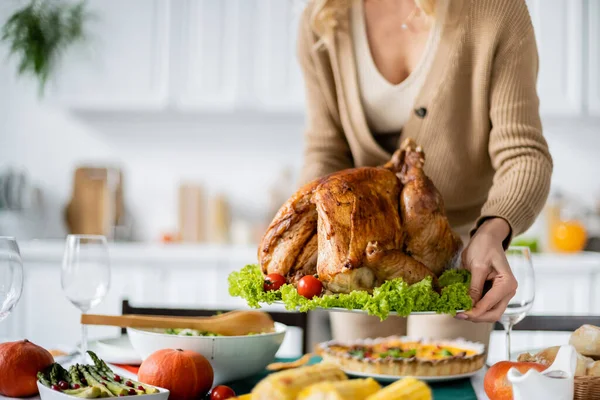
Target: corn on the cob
[355, 389]
[243, 397]
[405, 389]
[286, 385]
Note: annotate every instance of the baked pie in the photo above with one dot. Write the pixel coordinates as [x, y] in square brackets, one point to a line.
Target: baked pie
[404, 356]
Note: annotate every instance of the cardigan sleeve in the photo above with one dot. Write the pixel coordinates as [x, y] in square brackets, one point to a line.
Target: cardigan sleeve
[518, 151]
[326, 149]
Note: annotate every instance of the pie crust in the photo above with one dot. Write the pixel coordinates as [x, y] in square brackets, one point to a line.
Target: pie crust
[470, 357]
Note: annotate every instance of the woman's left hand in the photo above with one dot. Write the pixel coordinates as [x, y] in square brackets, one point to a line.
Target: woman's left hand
[484, 257]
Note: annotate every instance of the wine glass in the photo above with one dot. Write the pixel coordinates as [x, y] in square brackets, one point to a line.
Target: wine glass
[85, 275]
[519, 259]
[11, 275]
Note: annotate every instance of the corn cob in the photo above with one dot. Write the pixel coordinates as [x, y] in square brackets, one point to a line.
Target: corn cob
[356, 389]
[405, 389]
[243, 397]
[286, 385]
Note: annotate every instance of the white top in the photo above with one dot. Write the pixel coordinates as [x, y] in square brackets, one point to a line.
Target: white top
[387, 106]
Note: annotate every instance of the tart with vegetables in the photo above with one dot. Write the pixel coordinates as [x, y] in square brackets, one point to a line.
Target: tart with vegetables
[404, 356]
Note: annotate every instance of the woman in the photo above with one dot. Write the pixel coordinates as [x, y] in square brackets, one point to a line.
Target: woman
[459, 77]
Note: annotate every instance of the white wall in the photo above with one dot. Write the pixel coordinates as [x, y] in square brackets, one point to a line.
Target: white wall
[239, 155]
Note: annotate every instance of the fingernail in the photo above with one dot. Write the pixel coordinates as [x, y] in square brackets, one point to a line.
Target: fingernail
[461, 316]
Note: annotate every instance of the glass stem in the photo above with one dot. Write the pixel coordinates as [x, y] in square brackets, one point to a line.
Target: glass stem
[508, 330]
[83, 343]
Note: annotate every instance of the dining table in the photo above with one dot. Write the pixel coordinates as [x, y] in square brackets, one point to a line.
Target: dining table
[461, 389]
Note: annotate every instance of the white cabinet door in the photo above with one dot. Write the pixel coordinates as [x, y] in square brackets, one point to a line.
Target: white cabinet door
[594, 57]
[559, 30]
[123, 64]
[277, 76]
[206, 74]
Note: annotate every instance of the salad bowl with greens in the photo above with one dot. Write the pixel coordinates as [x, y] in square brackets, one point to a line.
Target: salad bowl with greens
[393, 297]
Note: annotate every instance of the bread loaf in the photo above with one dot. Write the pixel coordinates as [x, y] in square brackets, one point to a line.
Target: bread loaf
[594, 369]
[547, 356]
[586, 340]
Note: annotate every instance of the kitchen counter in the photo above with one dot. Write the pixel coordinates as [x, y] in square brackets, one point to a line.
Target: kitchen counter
[160, 253]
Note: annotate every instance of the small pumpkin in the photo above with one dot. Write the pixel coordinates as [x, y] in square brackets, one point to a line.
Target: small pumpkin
[19, 364]
[186, 374]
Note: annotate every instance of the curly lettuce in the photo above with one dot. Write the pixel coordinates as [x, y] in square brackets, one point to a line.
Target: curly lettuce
[393, 296]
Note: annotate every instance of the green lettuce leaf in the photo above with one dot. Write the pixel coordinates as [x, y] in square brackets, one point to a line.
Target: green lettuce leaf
[393, 296]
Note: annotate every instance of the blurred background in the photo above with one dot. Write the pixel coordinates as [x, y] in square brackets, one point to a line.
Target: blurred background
[174, 127]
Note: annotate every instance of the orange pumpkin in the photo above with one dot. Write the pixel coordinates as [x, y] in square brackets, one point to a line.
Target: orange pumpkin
[186, 374]
[495, 383]
[19, 364]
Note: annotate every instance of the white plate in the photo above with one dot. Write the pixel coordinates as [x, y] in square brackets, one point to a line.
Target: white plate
[394, 378]
[364, 312]
[49, 394]
[116, 351]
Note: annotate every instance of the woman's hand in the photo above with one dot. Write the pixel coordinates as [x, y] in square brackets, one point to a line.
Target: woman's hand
[484, 257]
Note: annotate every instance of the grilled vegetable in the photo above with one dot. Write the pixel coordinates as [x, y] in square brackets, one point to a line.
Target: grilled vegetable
[286, 385]
[74, 375]
[93, 382]
[43, 380]
[114, 388]
[404, 389]
[356, 389]
[104, 369]
[90, 392]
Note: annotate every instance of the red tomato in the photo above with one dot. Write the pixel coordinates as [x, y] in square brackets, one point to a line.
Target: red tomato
[222, 392]
[273, 282]
[309, 286]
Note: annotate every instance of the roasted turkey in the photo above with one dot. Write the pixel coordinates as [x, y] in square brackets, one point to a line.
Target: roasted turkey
[359, 227]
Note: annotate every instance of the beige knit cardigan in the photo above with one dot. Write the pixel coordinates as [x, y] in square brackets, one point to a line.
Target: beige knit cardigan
[477, 116]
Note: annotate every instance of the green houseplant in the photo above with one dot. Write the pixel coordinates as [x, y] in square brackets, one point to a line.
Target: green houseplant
[38, 33]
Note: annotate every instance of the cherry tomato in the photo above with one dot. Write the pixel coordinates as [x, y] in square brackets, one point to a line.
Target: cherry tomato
[273, 282]
[222, 392]
[309, 286]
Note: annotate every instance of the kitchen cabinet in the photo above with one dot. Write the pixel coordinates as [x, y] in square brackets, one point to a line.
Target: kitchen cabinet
[558, 26]
[124, 62]
[208, 47]
[277, 76]
[593, 70]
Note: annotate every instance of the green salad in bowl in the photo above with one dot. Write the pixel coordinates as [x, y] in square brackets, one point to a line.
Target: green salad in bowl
[394, 296]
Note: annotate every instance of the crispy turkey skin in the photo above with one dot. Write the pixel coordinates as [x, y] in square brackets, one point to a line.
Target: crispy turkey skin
[359, 227]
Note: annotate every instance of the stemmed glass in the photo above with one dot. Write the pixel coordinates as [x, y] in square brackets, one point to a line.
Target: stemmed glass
[85, 275]
[519, 259]
[11, 275]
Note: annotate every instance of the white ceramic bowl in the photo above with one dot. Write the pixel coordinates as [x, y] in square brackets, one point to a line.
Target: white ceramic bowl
[48, 394]
[232, 357]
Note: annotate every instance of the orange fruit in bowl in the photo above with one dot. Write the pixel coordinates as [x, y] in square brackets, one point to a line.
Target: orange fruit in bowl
[569, 236]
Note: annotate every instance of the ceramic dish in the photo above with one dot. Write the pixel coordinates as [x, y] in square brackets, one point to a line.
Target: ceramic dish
[48, 394]
[232, 357]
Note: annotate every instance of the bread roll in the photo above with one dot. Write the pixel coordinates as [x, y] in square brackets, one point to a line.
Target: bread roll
[594, 369]
[586, 340]
[547, 356]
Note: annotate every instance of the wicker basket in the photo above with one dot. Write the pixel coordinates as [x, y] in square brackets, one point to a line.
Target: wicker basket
[587, 388]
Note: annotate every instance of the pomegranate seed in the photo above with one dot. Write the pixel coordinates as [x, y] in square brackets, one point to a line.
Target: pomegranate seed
[117, 378]
[141, 387]
[63, 385]
[105, 378]
[104, 383]
[54, 387]
[76, 386]
[129, 383]
[132, 392]
[84, 381]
